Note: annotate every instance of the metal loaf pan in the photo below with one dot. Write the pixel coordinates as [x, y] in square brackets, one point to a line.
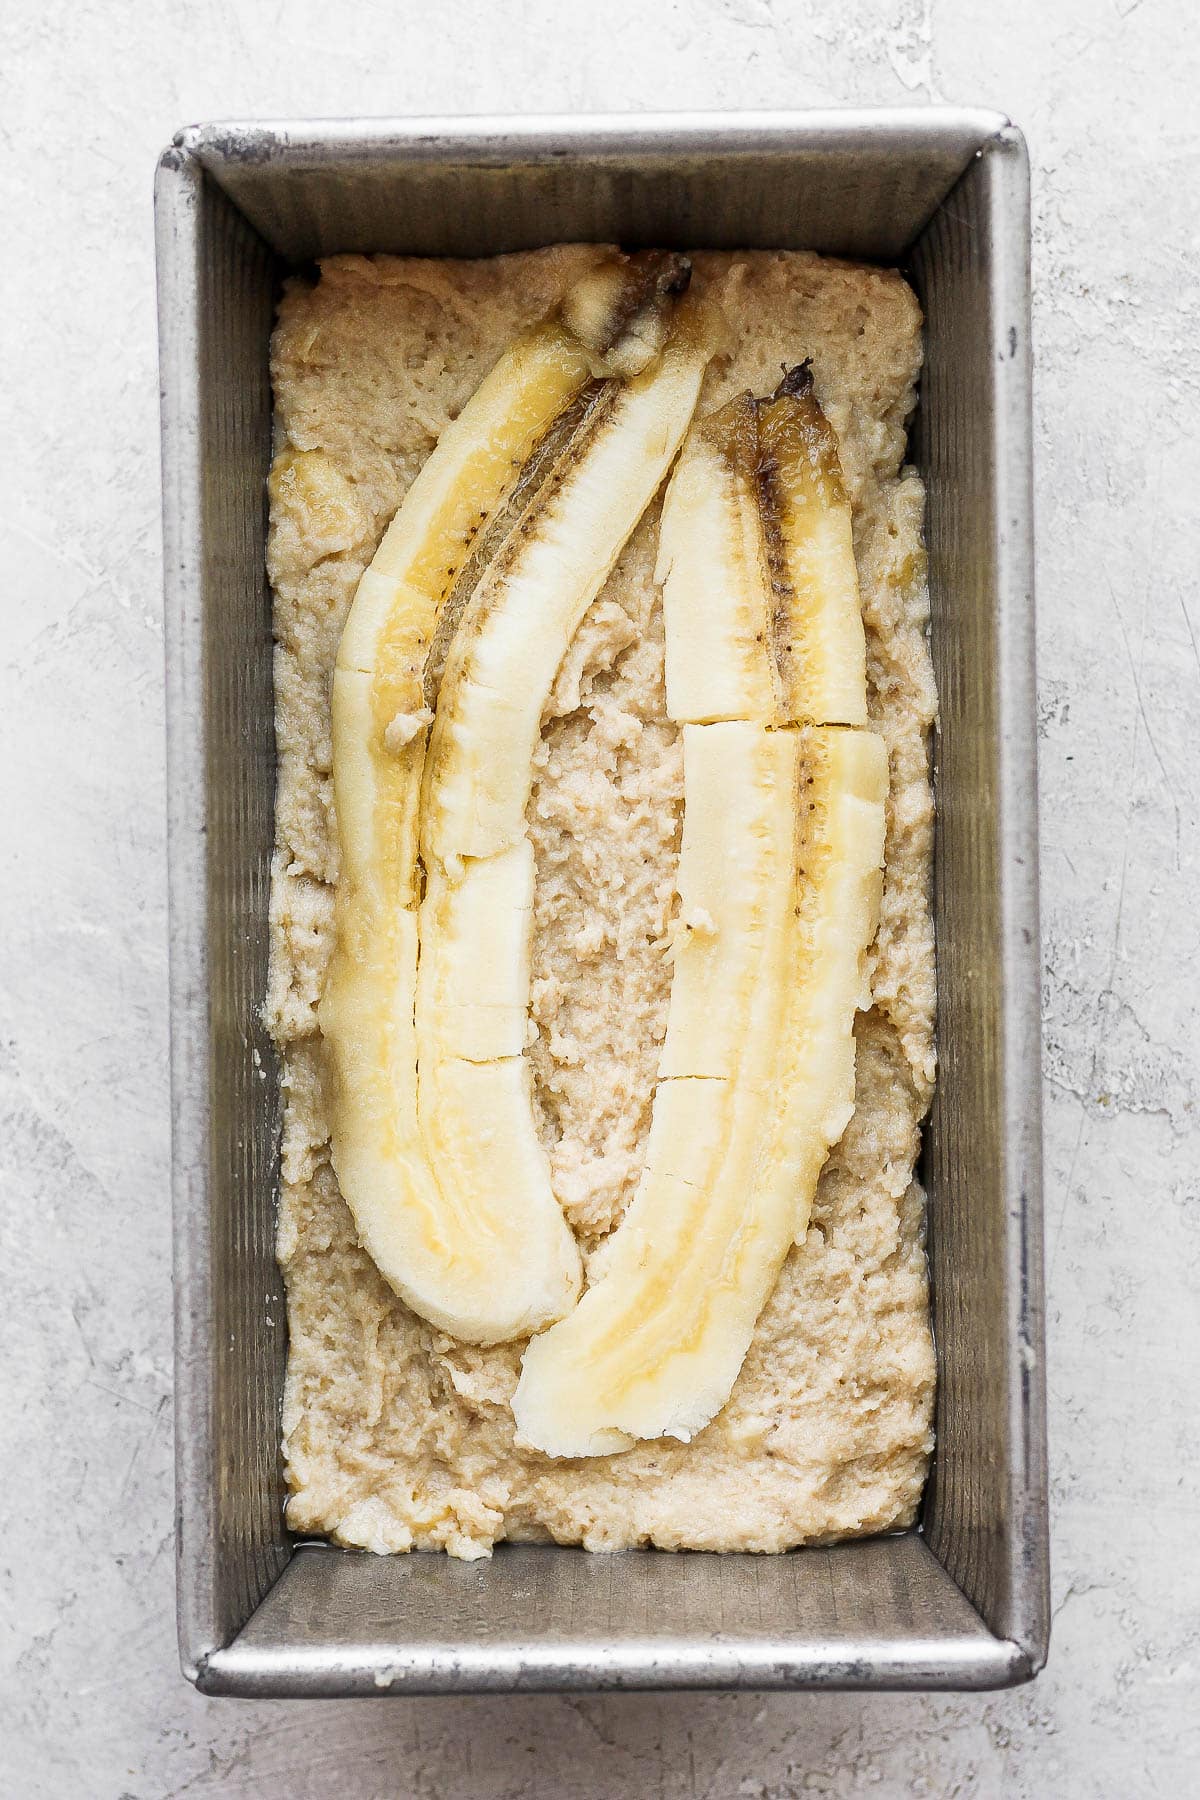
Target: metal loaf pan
[961, 1601]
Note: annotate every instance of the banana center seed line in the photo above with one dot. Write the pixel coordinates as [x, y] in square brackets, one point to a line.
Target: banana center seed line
[450, 650]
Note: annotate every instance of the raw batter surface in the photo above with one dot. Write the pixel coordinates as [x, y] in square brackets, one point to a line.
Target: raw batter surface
[396, 1436]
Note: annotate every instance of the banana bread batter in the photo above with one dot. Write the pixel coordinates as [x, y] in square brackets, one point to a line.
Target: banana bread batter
[395, 1435]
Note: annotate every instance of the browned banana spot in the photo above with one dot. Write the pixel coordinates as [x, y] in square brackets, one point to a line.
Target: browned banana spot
[621, 311]
[560, 447]
[784, 448]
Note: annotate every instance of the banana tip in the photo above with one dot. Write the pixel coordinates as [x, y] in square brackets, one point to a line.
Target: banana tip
[797, 381]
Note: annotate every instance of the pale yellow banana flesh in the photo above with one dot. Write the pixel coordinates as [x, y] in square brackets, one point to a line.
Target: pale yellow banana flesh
[433, 1137]
[478, 1133]
[654, 1346]
[376, 794]
[737, 879]
[473, 975]
[379, 676]
[366, 1015]
[756, 562]
[712, 566]
[516, 629]
[486, 1254]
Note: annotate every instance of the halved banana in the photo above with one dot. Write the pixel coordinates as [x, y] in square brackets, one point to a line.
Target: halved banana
[432, 1131]
[780, 879]
[756, 562]
[654, 1346]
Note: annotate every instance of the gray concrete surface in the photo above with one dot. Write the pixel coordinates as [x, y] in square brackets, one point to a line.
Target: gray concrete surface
[91, 1702]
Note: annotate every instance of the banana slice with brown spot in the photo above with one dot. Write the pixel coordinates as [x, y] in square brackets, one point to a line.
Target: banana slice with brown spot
[502, 659]
[379, 711]
[756, 563]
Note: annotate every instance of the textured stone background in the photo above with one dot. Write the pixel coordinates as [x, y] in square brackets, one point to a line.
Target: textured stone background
[91, 1701]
